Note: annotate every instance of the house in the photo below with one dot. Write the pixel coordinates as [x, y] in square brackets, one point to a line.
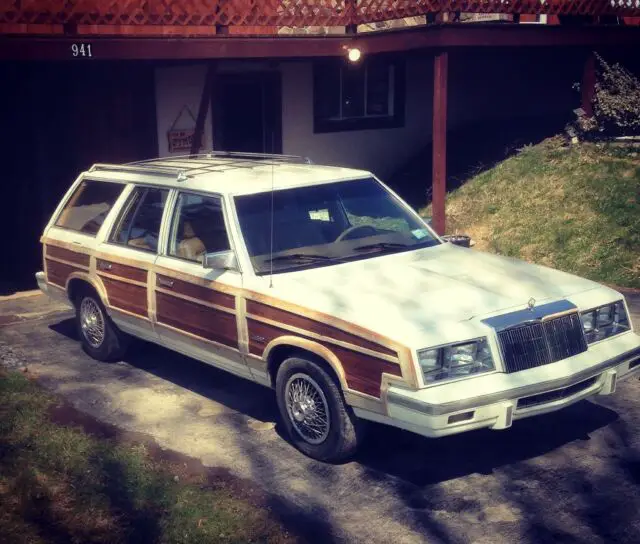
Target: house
[366, 84]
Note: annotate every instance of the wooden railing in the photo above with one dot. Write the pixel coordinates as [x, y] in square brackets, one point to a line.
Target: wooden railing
[281, 13]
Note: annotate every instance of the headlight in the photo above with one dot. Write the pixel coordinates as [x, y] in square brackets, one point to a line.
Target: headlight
[604, 321]
[455, 361]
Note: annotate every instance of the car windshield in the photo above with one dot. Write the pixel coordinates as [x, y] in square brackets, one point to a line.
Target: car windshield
[326, 224]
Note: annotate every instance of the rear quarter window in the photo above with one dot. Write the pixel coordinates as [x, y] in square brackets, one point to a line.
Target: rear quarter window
[88, 206]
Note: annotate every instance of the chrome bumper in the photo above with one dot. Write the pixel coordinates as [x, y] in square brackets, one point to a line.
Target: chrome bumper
[498, 410]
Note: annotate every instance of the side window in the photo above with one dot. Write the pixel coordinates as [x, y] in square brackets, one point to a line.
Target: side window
[197, 228]
[139, 223]
[89, 205]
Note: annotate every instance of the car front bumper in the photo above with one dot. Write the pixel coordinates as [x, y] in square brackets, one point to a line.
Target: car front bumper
[457, 407]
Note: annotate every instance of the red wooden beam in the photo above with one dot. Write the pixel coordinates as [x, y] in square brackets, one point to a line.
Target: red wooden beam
[439, 179]
[452, 36]
[588, 86]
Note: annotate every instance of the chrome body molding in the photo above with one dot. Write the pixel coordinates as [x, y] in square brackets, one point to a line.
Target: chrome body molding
[510, 394]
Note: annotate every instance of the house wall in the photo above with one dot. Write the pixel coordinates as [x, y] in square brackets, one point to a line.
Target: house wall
[486, 85]
[178, 87]
[380, 151]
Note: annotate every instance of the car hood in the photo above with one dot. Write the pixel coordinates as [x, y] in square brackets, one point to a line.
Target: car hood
[402, 294]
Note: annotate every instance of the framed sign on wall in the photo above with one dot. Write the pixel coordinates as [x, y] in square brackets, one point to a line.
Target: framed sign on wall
[180, 139]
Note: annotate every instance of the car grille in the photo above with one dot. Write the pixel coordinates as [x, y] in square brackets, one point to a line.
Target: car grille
[541, 342]
[558, 394]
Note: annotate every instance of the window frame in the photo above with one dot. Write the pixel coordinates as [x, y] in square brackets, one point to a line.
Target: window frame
[70, 194]
[123, 209]
[171, 219]
[396, 120]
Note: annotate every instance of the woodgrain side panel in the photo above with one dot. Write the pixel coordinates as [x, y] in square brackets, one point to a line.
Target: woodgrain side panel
[122, 270]
[317, 327]
[363, 372]
[199, 292]
[202, 321]
[58, 273]
[67, 255]
[126, 296]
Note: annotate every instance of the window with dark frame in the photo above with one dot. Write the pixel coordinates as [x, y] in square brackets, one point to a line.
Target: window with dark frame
[360, 96]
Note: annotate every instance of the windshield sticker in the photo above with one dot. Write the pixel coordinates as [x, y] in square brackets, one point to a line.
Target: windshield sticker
[420, 233]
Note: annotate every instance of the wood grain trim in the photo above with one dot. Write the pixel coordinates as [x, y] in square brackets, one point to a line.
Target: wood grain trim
[363, 373]
[320, 317]
[322, 329]
[126, 296]
[66, 255]
[196, 280]
[304, 333]
[119, 270]
[58, 273]
[198, 292]
[170, 292]
[196, 319]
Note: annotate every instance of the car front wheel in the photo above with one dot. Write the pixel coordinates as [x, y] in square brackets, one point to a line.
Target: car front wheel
[100, 337]
[314, 413]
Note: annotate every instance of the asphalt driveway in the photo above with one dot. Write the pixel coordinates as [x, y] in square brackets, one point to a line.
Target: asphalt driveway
[572, 476]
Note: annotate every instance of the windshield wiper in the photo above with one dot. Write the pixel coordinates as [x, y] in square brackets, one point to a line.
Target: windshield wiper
[300, 257]
[381, 245]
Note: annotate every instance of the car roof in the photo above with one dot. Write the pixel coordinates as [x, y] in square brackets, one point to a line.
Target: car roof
[227, 173]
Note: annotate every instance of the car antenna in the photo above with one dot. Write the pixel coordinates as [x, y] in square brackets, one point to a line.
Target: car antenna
[271, 215]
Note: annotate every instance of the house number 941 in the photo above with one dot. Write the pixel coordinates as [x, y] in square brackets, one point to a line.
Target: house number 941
[81, 50]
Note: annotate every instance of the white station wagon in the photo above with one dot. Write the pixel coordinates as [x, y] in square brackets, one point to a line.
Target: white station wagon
[323, 284]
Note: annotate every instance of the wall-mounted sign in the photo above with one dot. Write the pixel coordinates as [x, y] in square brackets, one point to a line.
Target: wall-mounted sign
[181, 139]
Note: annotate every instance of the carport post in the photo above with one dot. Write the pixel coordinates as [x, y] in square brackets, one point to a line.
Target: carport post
[439, 177]
[205, 99]
[589, 84]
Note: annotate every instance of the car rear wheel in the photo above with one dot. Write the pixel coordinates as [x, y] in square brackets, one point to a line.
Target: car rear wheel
[100, 337]
[314, 413]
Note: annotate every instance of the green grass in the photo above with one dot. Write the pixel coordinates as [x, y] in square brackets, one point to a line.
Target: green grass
[60, 484]
[573, 208]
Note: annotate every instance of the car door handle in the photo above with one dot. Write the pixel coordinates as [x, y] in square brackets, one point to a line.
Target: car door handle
[165, 283]
[104, 265]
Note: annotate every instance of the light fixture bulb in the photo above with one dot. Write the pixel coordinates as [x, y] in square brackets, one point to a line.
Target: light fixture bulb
[354, 54]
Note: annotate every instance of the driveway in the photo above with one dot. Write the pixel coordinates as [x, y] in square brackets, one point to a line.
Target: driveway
[572, 476]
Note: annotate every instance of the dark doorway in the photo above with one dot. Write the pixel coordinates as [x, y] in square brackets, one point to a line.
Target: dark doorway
[57, 120]
[247, 112]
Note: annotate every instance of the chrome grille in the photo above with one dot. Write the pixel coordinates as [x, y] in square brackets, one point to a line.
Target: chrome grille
[539, 343]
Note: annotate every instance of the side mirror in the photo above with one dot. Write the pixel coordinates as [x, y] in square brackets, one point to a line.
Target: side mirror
[222, 260]
[458, 239]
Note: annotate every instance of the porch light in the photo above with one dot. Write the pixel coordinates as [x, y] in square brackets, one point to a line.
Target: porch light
[354, 54]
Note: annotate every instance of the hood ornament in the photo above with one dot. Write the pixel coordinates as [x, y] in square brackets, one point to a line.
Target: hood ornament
[531, 304]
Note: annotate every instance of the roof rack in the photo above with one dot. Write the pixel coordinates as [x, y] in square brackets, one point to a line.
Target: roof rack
[185, 166]
[182, 167]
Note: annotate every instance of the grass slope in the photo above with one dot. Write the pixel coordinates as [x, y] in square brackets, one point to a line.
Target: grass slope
[60, 484]
[573, 208]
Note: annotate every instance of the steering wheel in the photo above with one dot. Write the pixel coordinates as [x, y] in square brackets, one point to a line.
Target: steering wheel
[346, 234]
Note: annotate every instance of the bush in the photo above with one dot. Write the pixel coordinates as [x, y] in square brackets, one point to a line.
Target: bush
[616, 104]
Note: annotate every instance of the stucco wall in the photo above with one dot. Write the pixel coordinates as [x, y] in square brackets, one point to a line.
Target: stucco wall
[483, 86]
[380, 151]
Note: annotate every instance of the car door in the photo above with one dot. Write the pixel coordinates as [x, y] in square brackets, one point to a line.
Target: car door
[126, 256]
[197, 309]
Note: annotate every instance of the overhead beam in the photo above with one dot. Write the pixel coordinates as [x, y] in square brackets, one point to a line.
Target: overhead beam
[30, 47]
[439, 134]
